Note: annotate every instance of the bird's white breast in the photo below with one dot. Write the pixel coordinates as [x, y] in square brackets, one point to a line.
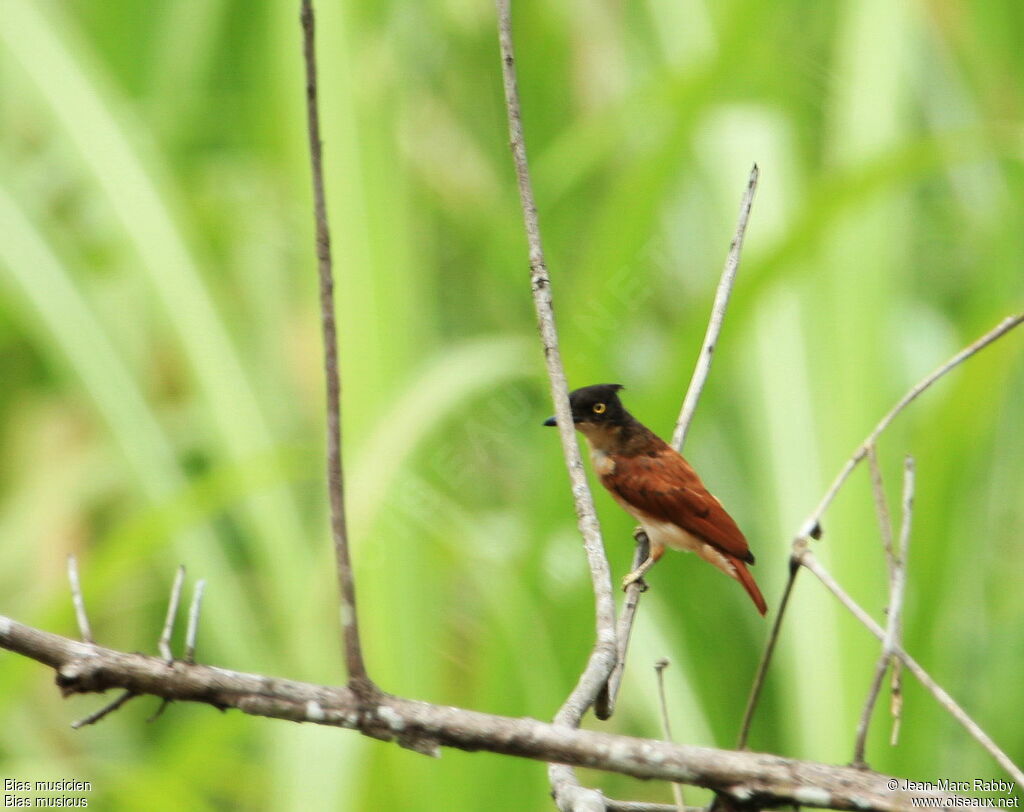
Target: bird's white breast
[604, 463]
[668, 534]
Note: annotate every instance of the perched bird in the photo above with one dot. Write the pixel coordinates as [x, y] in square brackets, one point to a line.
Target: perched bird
[654, 484]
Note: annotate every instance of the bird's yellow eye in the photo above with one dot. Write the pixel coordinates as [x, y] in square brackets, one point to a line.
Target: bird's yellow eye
[599, 408]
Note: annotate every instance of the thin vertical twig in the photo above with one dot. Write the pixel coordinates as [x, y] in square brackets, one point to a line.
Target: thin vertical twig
[604, 707]
[808, 560]
[896, 683]
[164, 644]
[897, 590]
[541, 285]
[882, 511]
[193, 621]
[666, 727]
[358, 678]
[567, 790]
[606, 702]
[84, 630]
[766, 659]
[721, 303]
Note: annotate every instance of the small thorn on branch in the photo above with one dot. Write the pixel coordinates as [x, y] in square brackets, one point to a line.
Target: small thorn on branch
[159, 711]
[193, 621]
[93, 718]
[164, 644]
[84, 629]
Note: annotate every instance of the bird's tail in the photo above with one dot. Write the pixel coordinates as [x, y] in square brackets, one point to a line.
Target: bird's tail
[744, 577]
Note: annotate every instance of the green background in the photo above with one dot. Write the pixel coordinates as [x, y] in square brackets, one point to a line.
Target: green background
[161, 394]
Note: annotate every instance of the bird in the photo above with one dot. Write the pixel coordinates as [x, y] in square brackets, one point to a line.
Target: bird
[652, 482]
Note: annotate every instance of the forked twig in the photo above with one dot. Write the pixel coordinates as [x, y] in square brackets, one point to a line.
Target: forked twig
[84, 630]
[358, 677]
[897, 590]
[812, 523]
[808, 560]
[164, 644]
[606, 702]
[811, 527]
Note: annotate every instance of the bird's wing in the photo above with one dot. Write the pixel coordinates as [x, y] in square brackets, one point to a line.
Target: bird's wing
[669, 490]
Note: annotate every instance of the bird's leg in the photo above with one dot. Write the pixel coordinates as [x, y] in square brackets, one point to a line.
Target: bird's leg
[655, 553]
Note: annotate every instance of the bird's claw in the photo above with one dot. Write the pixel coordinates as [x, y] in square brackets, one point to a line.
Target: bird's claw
[634, 578]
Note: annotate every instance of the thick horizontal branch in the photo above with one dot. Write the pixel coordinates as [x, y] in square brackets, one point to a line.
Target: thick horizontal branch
[751, 778]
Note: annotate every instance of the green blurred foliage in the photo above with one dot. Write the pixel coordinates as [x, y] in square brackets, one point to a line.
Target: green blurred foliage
[161, 397]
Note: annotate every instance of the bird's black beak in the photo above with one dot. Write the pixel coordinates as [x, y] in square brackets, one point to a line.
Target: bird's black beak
[551, 422]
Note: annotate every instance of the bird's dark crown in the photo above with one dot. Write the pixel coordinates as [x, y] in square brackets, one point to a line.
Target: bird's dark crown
[598, 404]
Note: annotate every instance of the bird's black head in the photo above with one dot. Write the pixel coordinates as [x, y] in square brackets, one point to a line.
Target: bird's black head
[598, 404]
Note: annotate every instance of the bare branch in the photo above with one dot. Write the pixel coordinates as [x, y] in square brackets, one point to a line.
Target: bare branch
[812, 525]
[897, 589]
[748, 778]
[807, 559]
[164, 644]
[568, 793]
[193, 621]
[358, 677]
[76, 598]
[542, 298]
[109, 708]
[766, 659]
[725, 284]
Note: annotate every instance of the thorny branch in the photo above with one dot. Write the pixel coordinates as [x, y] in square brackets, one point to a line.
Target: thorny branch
[358, 678]
[748, 778]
